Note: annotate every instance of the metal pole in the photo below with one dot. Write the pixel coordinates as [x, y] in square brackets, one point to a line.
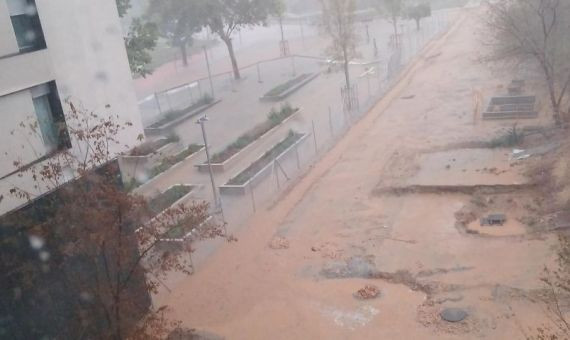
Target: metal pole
[276, 174]
[302, 32]
[252, 197]
[314, 135]
[330, 122]
[209, 72]
[168, 100]
[293, 64]
[157, 103]
[201, 121]
[297, 156]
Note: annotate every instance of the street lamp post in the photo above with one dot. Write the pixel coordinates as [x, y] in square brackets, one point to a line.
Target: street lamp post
[217, 201]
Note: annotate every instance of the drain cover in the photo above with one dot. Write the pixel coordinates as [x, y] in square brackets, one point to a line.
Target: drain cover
[453, 314]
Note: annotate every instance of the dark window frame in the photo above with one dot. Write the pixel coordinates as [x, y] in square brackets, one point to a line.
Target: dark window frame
[33, 22]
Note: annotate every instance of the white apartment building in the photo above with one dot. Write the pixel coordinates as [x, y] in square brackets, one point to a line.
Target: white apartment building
[52, 51]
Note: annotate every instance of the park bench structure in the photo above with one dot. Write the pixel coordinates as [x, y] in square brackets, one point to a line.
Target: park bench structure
[493, 220]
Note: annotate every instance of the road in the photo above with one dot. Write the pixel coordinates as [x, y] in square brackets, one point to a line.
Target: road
[294, 269]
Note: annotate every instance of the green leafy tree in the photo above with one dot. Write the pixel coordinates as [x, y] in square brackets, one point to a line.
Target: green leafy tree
[123, 7]
[418, 12]
[177, 20]
[140, 40]
[224, 17]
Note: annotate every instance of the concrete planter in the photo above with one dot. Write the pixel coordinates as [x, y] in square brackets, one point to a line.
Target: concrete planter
[241, 189]
[288, 92]
[227, 164]
[188, 235]
[136, 166]
[167, 127]
[157, 177]
[182, 200]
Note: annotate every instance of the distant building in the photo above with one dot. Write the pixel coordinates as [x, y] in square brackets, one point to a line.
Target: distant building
[52, 51]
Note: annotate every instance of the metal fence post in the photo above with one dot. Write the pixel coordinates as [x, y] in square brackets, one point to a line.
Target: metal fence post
[168, 100]
[314, 135]
[252, 197]
[258, 74]
[297, 156]
[191, 96]
[293, 65]
[331, 122]
[157, 103]
[276, 174]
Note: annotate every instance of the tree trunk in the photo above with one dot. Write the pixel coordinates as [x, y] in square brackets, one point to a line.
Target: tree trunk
[184, 54]
[346, 72]
[281, 26]
[552, 93]
[395, 25]
[230, 46]
[417, 24]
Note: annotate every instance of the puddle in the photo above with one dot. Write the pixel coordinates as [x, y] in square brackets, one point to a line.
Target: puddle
[351, 319]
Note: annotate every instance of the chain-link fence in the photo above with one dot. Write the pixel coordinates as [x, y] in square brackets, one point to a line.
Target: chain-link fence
[154, 107]
[327, 126]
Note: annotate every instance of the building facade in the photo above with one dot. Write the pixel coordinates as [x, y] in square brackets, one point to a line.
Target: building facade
[55, 52]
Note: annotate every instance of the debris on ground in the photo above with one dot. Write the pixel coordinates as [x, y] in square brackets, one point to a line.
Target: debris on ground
[368, 292]
[493, 220]
[453, 314]
[279, 243]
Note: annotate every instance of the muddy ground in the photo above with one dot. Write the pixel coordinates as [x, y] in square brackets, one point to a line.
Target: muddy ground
[351, 222]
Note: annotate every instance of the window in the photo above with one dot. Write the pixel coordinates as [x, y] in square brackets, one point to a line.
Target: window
[51, 119]
[26, 24]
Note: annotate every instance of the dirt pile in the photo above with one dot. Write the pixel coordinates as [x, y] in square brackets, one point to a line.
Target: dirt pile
[368, 292]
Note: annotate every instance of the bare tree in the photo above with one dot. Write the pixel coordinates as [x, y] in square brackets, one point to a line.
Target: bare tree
[394, 9]
[103, 244]
[224, 17]
[338, 22]
[557, 293]
[535, 32]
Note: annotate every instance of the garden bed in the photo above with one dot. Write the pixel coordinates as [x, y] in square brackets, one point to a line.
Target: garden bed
[222, 159]
[166, 164]
[283, 90]
[169, 162]
[149, 148]
[238, 183]
[180, 233]
[173, 118]
[168, 198]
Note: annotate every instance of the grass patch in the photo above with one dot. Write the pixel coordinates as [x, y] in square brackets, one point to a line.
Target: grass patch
[267, 157]
[180, 230]
[167, 198]
[274, 118]
[278, 90]
[149, 148]
[169, 162]
[172, 115]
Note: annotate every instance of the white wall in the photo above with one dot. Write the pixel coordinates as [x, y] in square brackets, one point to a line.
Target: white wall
[86, 57]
